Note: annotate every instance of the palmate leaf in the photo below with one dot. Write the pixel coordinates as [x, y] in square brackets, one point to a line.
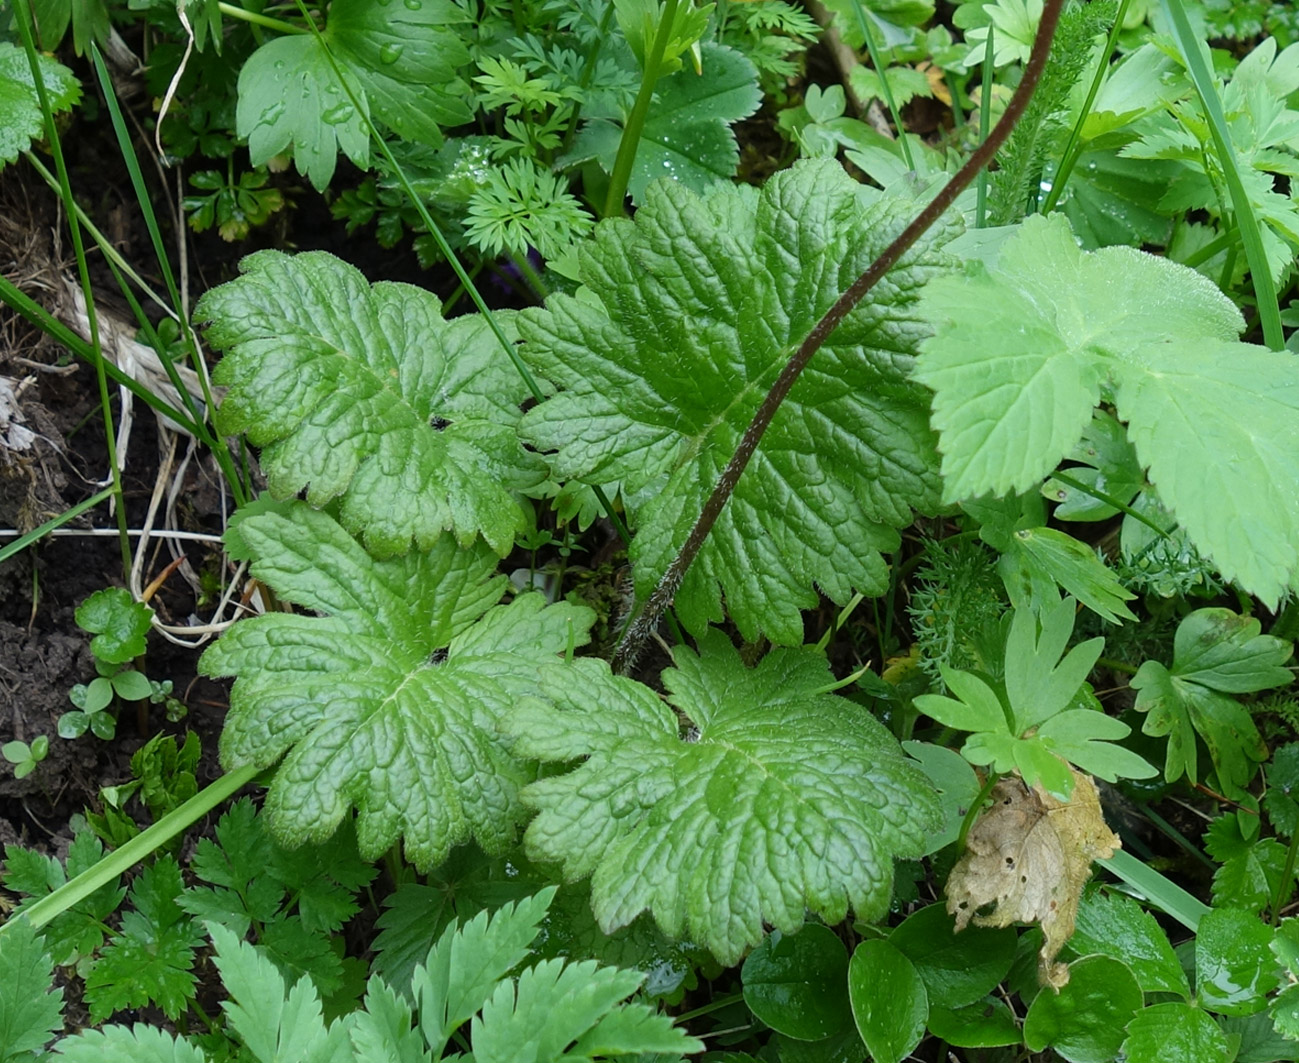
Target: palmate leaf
[389, 701]
[788, 799]
[400, 63]
[365, 392]
[696, 307]
[1023, 352]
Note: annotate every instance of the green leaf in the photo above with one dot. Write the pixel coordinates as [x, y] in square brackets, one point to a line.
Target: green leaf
[1235, 969]
[798, 983]
[364, 392]
[1174, 1033]
[291, 99]
[464, 966]
[1117, 926]
[1050, 554]
[687, 136]
[561, 1011]
[988, 1024]
[957, 969]
[118, 622]
[1084, 1021]
[405, 58]
[20, 112]
[1284, 1010]
[31, 1009]
[150, 959]
[694, 309]
[1210, 418]
[789, 799]
[140, 1043]
[1251, 868]
[888, 1001]
[1109, 464]
[1215, 652]
[131, 685]
[272, 1023]
[389, 701]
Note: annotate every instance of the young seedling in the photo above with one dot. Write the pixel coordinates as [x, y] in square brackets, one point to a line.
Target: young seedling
[119, 624]
[25, 757]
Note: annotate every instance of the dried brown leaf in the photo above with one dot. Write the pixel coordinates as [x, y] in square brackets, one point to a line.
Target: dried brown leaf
[1027, 859]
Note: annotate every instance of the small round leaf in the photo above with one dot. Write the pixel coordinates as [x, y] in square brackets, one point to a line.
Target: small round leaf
[1084, 1022]
[73, 724]
[888, 999]
[118, 622]
[797, 983]
[132, 685]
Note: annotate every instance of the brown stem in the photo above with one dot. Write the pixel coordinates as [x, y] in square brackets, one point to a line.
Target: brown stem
[648, 618]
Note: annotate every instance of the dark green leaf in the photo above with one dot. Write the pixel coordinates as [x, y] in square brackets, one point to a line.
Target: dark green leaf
[987, 1024]
[957, 969]
[1174, 1033]
[1117, 926]
[1085, 1020]
[1234, 967]
[888, 1001]
[31, 1009]
[798, 983]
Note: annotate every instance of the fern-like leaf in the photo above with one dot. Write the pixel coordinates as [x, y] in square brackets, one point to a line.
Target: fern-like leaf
[789, 799]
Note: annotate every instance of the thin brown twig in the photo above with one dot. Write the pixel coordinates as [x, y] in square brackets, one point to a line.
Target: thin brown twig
[651, 613]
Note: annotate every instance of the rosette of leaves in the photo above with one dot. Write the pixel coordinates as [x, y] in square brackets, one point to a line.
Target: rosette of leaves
[389, 700]
[693, 309]
[365, 393]
[1041, 718]
[778, 799]
[1024, 351]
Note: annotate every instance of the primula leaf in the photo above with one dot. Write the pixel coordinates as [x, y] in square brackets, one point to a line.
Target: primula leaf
[1215, 653]
[365, 392]
[400, 65]
[20, 112]
[695, 307]
[788, 800]
[687, 136]
[1024, 351]
[389, 701]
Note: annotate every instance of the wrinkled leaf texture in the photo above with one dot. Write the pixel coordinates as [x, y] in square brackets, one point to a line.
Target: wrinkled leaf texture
[364, 392]
[695, 307]
[389, 701]
[788, 799]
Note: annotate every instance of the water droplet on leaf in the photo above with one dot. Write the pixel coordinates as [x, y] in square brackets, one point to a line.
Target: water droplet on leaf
[390, 53]
[338, 115]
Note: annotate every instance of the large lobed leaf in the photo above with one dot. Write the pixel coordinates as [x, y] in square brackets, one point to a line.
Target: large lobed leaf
[694, 309]
[388, 701]
[1022, 353]
[782, 798]
[365, 392]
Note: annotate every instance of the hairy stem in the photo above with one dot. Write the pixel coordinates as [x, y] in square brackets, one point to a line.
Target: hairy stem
[648, 618]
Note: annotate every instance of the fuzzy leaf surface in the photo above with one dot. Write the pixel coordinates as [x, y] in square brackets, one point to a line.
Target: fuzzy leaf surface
[1216, 653]
[1023, 352]
[389, 700]
[365, 392]
[696, 307]
[789, 799]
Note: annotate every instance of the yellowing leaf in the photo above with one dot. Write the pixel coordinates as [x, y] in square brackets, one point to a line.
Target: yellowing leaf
[1028, 857]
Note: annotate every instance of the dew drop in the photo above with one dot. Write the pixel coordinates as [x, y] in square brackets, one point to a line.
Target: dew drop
[414, 5]
[338, 115]
[390, 53]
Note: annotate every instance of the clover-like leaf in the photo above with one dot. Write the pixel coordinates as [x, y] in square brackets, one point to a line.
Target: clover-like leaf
[388, 701]
[365, 392]
[781, 799]
[20, 112]
[1215, 653]
[695, 307]
[1023, 352]
[399, 63]
[119, 624]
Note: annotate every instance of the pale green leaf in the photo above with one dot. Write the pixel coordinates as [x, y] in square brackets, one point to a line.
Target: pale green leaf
[979, 708]
[1073, 565]
[787, 800]
[389, 701]
[1038, 683]
[1024, 351]
[694, 308]
[383, 1030]
[1174, 1033]
[365, 392]
[20, 113]
[137, 1044]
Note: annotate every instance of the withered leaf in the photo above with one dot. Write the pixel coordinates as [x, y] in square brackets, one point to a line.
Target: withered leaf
[1027, 858]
